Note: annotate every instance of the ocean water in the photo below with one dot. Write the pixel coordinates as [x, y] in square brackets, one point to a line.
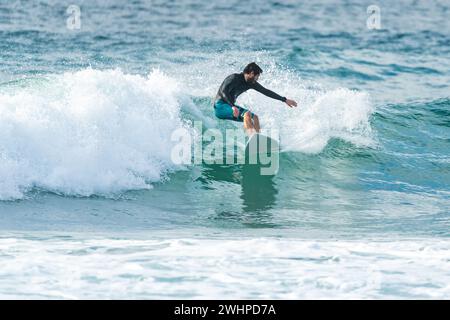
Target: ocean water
[92, 206]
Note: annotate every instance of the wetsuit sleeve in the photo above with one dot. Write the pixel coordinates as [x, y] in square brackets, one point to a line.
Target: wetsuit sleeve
[225, 89]
[268, 92]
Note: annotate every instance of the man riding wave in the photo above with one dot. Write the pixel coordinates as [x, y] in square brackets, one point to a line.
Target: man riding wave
[232, 87]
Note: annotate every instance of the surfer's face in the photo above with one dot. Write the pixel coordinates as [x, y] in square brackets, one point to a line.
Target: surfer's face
[252, 77]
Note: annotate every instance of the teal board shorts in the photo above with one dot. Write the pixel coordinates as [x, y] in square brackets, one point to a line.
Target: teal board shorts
[224, 111]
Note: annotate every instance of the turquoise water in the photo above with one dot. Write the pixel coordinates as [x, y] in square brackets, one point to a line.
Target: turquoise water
[91, 205]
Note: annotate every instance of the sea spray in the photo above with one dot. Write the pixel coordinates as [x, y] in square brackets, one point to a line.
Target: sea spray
[88, 132]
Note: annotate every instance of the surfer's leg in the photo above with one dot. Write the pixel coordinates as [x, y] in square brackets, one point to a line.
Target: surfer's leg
[248, 124]
[253, 120]
[256, 123]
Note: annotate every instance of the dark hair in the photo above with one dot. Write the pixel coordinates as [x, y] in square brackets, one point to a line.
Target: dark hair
[252, 67]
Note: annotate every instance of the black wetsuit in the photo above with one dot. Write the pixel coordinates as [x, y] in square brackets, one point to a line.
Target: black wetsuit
[235, 84]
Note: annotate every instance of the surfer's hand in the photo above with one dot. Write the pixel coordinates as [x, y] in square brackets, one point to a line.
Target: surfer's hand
[291, 103]
[235, 111]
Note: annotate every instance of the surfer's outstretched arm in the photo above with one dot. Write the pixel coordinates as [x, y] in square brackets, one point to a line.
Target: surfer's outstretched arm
[269, 93]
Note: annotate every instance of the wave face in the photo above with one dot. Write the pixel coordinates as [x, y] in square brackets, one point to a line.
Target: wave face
[87, 132]
[94, 132]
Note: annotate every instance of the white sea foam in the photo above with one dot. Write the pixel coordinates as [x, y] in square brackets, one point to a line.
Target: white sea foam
[263, 268]
[87, 132]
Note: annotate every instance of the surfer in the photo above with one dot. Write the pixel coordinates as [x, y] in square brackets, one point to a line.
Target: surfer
[235, 84]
